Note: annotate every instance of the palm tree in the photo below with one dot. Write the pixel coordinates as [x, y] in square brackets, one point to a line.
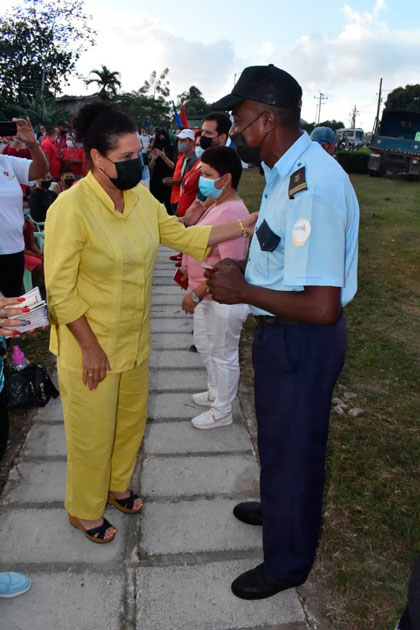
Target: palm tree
[107, 80]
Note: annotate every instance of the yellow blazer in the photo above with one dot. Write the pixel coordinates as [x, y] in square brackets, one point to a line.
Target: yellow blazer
[99, 263]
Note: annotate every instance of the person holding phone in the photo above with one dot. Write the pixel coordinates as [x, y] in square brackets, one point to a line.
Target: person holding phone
[15, 171]
[217, 327]
[101, 242]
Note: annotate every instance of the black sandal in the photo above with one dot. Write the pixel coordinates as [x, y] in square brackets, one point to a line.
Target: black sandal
[95, 534]
[125, 505]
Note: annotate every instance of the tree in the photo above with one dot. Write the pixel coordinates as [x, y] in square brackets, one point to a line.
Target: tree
[40, 44]
[146, 110]
[40, 110]
[107, 80]
[194, 101]
[407, 98]
[156, 84]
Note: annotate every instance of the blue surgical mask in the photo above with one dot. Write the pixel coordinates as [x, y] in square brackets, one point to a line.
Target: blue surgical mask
[208, 189]
[199, 151]
[26, 212]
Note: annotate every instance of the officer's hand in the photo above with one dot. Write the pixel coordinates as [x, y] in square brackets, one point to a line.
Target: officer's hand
[227, 263]
[226, 285]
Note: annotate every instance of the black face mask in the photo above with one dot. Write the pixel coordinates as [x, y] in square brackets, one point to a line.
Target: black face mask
[45, 185]
[63, 132]
[205, 142]
[68, 182]
[128, 174]
[250, 155]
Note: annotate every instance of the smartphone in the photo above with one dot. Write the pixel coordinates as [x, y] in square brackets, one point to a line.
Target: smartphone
[178, 277]
[8, 128]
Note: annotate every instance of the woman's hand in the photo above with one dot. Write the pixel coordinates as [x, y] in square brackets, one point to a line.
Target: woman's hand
[188, 305]
[194, 212]
[95, 365]
[25, 133]
[6, 315]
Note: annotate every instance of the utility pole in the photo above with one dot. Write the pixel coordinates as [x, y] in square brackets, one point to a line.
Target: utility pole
[321, 99]
[376, 123]
[353, 115]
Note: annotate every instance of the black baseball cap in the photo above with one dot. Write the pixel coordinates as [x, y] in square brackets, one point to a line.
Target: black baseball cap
[265, 84]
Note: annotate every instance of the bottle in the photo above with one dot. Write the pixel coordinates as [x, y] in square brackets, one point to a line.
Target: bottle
[18, 358]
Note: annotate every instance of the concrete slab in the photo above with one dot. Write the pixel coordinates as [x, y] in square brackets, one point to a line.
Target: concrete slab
[166, 280]
[175, 359]
[53, 412]
[164, 271]
[167, 298]
[46, 441]
[173, 289]
[172, 341]
[181, 437]
[190, 476]
[192, 597]
[159, 311]
[196, 526]
[171, 405]
[194, 380]
[169, 325]
[68, 601]
[38, 482]
[42, 535]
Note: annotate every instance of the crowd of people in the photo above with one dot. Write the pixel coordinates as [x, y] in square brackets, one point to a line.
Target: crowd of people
[102, 231]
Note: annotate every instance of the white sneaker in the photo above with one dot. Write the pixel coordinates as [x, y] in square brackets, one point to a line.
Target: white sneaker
[203, 399]
[211, 419]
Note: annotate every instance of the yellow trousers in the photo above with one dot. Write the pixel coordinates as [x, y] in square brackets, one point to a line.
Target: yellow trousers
[104, 429]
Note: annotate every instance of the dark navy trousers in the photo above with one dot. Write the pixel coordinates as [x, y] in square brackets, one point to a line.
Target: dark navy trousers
[296, 367]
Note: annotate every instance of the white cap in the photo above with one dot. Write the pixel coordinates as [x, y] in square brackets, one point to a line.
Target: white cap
[186, 133]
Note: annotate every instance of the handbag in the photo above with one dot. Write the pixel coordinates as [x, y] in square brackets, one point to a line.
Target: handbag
[29, 387]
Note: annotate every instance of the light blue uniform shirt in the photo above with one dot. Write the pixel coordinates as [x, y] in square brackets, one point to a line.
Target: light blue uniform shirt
[316, 233]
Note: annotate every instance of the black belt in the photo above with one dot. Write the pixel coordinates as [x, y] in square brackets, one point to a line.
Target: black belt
[272, 320]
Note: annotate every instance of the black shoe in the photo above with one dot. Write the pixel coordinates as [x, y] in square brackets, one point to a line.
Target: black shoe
[192, 348]
[259, 584]
[248, 512]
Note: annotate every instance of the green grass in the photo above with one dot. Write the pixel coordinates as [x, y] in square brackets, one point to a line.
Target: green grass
[372, 527]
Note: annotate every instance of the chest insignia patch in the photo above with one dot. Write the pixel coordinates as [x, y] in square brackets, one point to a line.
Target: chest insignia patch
[8, 175]
[297, 182]
[301, 232]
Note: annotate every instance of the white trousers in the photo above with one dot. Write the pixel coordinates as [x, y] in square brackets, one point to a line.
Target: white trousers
[217, 328]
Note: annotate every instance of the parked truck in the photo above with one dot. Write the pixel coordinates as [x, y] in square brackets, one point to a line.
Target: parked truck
[395, 145]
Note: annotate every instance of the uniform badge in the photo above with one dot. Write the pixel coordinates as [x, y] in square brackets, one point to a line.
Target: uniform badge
[297, 182]
[301, 232]
[8, 175]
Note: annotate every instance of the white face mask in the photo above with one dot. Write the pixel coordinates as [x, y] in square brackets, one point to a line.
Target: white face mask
[70, 144]
[199, 151]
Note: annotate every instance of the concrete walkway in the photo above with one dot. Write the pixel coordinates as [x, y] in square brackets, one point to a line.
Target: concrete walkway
[169, 568]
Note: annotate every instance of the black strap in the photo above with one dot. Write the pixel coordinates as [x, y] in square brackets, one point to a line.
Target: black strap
[99, 532]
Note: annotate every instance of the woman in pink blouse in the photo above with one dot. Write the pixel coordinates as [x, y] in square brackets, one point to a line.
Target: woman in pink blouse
[217, 327]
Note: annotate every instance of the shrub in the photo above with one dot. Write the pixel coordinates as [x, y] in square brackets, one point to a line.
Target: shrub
[353, 161]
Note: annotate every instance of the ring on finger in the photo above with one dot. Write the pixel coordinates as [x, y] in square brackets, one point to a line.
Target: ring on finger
[90, 374]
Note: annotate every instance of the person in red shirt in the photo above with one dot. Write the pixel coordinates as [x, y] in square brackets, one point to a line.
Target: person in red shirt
[50, 151]
[73, 156]
[15, 148]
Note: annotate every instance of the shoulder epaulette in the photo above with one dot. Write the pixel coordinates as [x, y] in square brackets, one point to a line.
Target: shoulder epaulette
[297, 182]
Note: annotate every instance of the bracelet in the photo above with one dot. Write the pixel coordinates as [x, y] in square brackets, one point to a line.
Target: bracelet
[244, 233]
[195, 298]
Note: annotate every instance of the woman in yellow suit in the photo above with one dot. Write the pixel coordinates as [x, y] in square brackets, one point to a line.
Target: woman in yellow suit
[101, 242]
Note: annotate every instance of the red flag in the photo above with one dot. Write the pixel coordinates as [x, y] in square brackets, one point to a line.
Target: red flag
[183, 116]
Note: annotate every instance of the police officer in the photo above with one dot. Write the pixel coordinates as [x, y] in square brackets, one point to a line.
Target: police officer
[300, 273]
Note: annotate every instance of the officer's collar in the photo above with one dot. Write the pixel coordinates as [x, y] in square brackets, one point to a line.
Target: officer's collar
[286, 163]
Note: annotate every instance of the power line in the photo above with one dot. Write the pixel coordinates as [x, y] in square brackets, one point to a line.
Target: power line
[321, 99]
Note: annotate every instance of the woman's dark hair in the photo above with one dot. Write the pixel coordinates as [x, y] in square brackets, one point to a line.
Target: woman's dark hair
[224, 160]
[161, 144]
[66, 169]
[98, 125]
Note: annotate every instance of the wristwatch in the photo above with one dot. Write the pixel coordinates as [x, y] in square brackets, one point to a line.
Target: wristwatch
[195, 297]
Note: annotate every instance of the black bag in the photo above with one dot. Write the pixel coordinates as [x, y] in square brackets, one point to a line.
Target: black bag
[27, 388]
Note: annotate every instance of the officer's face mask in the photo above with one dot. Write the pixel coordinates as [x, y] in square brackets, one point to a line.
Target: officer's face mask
[248, 154]
[128, 173]
[205, 142]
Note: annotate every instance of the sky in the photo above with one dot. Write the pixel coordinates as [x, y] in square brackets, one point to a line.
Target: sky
[341, 49]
